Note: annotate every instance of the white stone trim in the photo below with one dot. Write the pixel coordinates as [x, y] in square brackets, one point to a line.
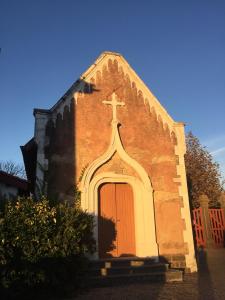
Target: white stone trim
[143, 219]
[115, 146]
[89, 186]
[140, 85]
[41, 120]
[180, 150]
[91, 72]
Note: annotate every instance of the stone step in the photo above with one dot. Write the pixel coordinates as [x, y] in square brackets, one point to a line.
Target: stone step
[128, 269]
[110, 263]
[121, 279]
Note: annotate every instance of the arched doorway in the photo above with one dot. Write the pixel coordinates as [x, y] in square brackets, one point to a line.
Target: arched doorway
[145, 239]
[116, 225]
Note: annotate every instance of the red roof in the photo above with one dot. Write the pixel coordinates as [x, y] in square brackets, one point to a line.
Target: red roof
[12, 180]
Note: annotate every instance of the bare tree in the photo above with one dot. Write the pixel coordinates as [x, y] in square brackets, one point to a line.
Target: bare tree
[13, 168]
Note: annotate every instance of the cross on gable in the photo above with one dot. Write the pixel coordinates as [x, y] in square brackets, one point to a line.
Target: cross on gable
[114, 104]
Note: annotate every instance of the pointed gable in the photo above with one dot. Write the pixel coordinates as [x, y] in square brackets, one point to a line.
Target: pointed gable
[105, 63]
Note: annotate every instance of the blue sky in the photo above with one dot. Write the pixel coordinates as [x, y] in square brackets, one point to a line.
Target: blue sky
[177, 47]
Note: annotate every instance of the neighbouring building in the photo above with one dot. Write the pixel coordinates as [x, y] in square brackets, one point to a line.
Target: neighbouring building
[12, 186]
[111, 137]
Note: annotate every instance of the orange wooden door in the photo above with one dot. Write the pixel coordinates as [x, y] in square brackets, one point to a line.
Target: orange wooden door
[107, 221]
[116, 220]
[125, 220]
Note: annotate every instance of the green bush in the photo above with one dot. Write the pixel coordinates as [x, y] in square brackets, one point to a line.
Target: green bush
[43, 244]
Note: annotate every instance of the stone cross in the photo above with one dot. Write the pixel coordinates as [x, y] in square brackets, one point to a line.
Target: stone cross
[114, 104]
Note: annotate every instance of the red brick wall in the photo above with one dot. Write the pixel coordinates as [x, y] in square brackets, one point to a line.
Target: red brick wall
[61, 174]
[143, 136]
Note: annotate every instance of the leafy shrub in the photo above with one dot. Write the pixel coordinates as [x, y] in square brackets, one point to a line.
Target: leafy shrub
[43, 244]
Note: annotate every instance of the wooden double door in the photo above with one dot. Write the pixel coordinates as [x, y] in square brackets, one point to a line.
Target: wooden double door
[116, 229]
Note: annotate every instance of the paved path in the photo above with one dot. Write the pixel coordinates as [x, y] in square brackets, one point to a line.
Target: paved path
[207, 284]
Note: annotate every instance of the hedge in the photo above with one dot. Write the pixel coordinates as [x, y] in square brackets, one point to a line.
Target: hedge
[42, 244]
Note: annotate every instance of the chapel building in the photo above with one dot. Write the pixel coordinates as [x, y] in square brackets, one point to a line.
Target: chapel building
[109, 136]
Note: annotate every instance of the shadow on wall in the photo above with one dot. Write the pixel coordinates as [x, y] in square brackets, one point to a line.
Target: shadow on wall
[106, 237]
[61, 153]
[60, 178]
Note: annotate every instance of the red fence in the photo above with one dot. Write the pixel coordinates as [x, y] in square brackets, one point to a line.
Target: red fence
[216, 224]
[198, 226]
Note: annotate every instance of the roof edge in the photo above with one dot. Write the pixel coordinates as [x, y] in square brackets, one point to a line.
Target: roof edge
[14, 177]
[82, 77]
[40, 111]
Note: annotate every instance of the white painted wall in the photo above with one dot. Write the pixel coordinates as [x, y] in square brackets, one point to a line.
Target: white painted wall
[41, 119]
[8, 191]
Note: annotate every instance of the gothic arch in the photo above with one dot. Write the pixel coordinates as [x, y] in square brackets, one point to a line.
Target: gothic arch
[144, 206]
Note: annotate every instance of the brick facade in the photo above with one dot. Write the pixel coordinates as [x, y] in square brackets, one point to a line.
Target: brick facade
[78, 131]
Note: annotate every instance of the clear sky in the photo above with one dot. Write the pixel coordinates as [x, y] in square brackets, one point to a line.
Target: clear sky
[177, 47]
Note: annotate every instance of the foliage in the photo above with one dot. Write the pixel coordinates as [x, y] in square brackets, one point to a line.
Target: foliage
[203, 174]
[13, 168]
[36, 239]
